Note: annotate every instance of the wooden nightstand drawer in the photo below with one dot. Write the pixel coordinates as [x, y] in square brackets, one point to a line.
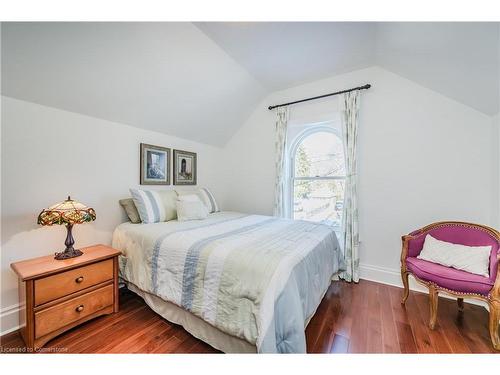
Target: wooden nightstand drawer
[51, 319]
[62, 284]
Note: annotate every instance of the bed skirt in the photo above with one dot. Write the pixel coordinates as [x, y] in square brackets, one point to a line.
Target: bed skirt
[197, 326]
[194, 325]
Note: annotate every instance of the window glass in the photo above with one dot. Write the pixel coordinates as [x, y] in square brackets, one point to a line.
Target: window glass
[318, 180]
[320, 155]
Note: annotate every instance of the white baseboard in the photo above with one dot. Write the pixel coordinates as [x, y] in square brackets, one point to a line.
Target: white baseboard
[393, 277]
[9, 318]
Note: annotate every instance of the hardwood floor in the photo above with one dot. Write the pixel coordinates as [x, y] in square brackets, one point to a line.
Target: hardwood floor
[352, 318]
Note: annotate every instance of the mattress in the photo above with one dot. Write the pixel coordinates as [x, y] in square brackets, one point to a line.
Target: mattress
[252, 277]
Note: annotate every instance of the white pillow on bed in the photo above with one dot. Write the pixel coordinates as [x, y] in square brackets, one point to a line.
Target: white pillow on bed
[189, 198]
[149, 205]
[191, 209]
[155, 206]
[205, 196]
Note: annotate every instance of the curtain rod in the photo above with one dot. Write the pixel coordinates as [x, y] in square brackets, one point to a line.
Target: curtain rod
[365, 87]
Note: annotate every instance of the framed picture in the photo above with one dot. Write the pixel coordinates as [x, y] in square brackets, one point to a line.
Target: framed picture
[184, 168]
[155, 165]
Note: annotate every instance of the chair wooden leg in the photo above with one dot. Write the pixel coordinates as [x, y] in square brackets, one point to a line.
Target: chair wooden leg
[460, 303]
[494, 324]
[433, 304]
[406, 292]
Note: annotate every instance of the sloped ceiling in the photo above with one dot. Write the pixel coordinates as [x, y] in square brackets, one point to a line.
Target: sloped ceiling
[168, 77]
[457, 59]
[201, 81]
[281, 55]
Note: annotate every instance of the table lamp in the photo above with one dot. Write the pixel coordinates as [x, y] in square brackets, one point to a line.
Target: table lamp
[69, 212]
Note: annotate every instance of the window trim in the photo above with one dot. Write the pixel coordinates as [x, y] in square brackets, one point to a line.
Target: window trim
[292, 153]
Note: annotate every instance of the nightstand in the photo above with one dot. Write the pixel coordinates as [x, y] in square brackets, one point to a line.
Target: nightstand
[61, 294]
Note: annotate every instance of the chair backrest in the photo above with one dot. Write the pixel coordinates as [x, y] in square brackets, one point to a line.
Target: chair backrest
[459, 233]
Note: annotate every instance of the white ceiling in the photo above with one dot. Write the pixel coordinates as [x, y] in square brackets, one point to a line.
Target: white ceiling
[282, 55]
[459, 60]
[168, 77]
[200, 81]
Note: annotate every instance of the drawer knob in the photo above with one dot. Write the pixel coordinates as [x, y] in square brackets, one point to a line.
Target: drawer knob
[79, 279]
[79, 308]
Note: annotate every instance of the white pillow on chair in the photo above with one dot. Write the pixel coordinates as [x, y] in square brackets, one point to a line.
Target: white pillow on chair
[189, 208]
[473, 259]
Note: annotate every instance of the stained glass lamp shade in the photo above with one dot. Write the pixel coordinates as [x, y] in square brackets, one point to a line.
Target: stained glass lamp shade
[67, 213]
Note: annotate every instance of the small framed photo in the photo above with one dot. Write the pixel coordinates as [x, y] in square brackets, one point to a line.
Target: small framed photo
[155, 165]
[184, 168]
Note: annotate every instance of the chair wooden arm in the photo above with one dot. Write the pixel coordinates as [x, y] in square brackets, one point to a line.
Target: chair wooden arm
[404, 251]
[495, 292]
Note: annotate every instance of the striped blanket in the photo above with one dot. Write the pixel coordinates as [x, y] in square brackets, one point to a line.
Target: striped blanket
[254, 277]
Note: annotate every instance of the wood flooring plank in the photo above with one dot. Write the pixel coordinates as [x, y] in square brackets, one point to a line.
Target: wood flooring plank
[326, 334]
[450, 330]
[389, 336]
[438, 340]
[419, 326]
[405, 338]
[374, 329]
[358, 337]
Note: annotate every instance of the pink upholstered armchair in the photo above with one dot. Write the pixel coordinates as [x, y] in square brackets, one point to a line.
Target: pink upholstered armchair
[458, 283]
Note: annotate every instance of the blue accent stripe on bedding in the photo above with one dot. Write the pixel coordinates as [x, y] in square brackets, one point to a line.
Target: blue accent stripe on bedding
[159, 241]
[149, 205]
[156, 209]
[214, 207]
[193, 255]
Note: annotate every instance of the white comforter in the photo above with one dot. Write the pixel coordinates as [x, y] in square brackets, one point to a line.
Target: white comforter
[254, 277]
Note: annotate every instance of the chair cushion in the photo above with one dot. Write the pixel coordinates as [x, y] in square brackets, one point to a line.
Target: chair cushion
[459, 234]
[449, 278]
[473, 259]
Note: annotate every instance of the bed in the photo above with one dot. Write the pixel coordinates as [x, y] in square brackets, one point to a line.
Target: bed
[241, 283]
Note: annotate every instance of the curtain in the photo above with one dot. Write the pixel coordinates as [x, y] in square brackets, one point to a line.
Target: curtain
[280, 143]
[349, 105]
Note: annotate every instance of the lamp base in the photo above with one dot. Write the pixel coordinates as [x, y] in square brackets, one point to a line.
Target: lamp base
[68, 253]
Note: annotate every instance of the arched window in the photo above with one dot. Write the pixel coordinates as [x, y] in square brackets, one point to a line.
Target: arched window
[318, 176]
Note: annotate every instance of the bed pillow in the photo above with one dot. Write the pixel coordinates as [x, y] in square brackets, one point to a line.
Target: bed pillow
[206, 197]
[191, 210]
[473, 259]
[169, 199]
[189, 198]
[209, 200]
[131, 210]
[149, 205]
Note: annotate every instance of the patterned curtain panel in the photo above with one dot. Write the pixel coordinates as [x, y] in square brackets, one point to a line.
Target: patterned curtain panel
[279, 185]
[349, 104]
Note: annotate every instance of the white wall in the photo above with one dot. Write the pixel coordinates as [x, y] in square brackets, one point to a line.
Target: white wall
[422, 158]
[46, 155]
